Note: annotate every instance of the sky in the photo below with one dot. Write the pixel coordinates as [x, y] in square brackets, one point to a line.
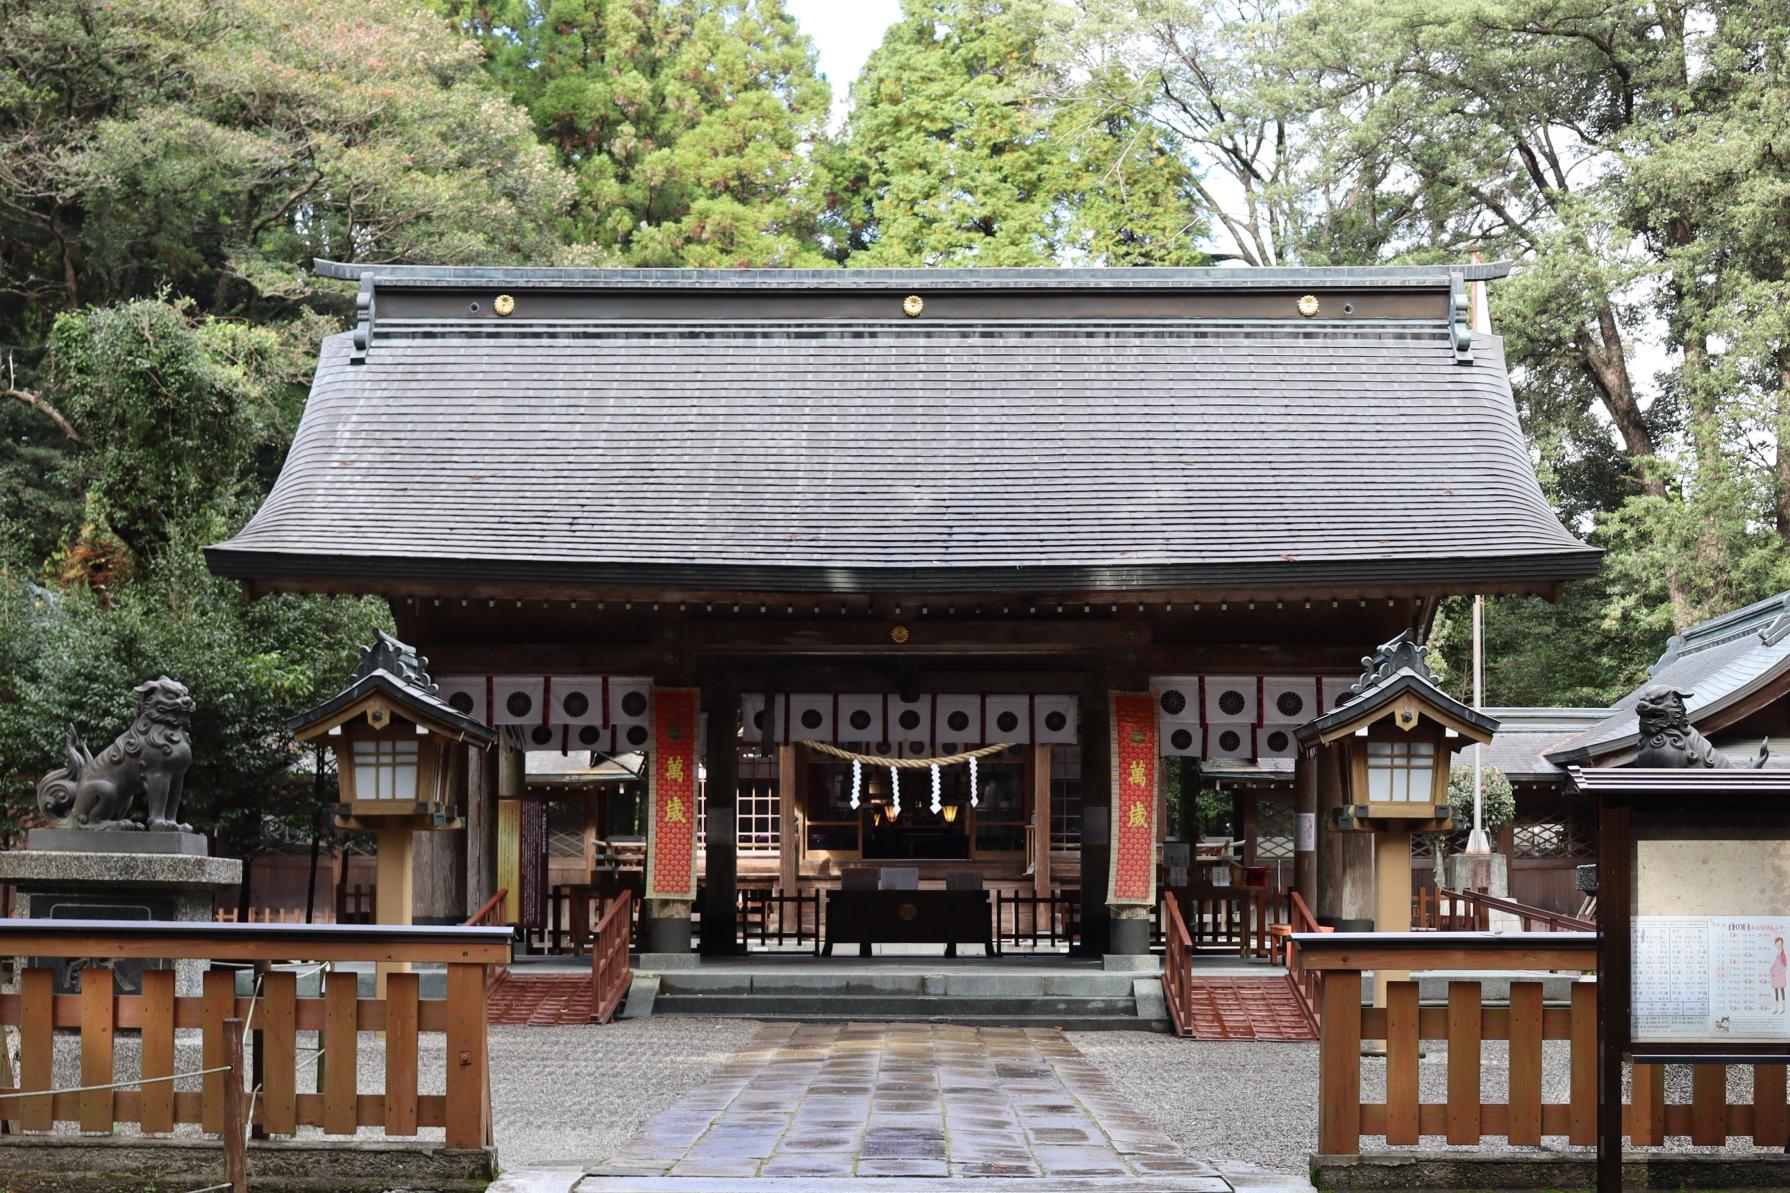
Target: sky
[845, 31]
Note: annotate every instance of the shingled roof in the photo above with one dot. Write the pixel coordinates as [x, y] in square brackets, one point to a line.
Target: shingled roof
[795, 431]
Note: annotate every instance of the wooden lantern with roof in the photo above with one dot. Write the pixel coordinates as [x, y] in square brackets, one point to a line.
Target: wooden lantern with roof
[392, 736]
[1397, 730]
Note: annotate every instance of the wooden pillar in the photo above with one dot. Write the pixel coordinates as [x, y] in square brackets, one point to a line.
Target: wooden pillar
[1096, 816]
[1040, 769]
[721, 867]
[393, 896]
[1305, 827]
[789, 832]
[440, 875]
[1392, 905]
[1345, 860]
[480, 837]
[506, 828]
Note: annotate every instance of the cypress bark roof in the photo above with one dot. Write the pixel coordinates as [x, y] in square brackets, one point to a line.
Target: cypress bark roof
[1045, 429]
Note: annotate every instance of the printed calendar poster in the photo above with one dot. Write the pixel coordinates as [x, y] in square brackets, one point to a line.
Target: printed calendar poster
[1711, 978]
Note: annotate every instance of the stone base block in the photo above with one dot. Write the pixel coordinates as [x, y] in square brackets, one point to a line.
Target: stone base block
[655, 962]
[130, 1164]
[1131, 962]
[1416, 1172]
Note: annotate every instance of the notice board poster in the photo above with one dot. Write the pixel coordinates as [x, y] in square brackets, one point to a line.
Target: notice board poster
[1711, 941]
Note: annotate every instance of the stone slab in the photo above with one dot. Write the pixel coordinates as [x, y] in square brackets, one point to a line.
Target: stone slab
[643, 992]
[655, 962]
[80, 840]
[1131, 963]
[1439, 1173]
[38, 867]
[83, 1163]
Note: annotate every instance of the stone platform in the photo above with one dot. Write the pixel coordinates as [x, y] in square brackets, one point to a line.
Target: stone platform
[810, 1105]
[77, 874]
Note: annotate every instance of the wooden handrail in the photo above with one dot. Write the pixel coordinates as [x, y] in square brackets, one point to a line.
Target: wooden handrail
[487, 914]
[1177, 966]
[609, 971]
[114, 939]
[1555, 921]
[1307, 984]
[1487, 951]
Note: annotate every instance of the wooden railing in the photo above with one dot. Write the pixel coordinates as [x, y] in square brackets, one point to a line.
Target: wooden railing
[1524, 1023]
[609, 972]
[490, 912]
[274, 1013]
[1307, 983]
[1471, 911]
[1030, 921]
[1233, 917]
[779, 919]
[1177, 966]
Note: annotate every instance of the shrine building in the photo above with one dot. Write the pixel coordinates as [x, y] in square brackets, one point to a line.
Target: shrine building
[951, 575]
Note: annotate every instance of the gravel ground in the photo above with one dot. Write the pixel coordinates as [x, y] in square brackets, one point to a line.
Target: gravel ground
[568, 1095]
[1223, 1101]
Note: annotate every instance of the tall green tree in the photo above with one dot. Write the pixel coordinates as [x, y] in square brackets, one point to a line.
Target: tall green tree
[966, 147]
[687, 123]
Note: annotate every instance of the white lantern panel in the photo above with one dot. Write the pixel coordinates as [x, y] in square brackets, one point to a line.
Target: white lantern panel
[1289, 700]
[1181, 741]
[465, 694]
[578, 700]
[958, 719]
[1400, 771]
[860, 719]
[811, 717]
[910, 720]
[631, 713]
[1007, 718]
[519, 700]
[1230, 700]
[1235, 740]
[385, 770]
[1276, 741]
[1177, 699]
[1054, 720]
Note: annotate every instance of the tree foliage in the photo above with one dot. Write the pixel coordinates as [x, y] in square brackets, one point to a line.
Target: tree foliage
[966, 146]
[686, 123]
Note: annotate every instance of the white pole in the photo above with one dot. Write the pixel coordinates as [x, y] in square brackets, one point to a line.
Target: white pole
[1477, 841]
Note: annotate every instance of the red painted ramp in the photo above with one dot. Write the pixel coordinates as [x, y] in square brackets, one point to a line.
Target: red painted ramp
[540, 1000]
[1265, 1008]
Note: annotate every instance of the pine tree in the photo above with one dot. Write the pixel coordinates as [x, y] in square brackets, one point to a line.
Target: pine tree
[686, 122]
[966, 147]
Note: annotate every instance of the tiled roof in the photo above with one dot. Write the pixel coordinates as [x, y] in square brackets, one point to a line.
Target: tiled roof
[1719, 662]
[882, 455]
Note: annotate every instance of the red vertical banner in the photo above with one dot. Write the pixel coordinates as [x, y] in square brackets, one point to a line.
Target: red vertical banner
[671, 796]
[1131, 876]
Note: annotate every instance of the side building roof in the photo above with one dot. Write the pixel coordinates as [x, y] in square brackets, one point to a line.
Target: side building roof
[889, 431]
[1720, 662]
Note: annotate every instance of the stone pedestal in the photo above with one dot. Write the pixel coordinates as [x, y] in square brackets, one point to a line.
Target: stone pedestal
[70, 874]
[1488, 872]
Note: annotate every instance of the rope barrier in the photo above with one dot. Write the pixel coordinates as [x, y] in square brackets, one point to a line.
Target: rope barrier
[908, 763]
[141, 1081]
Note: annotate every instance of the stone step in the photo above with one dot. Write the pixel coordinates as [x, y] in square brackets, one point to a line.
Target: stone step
[1086, 984]
[884, 1006]
[1068, 1022]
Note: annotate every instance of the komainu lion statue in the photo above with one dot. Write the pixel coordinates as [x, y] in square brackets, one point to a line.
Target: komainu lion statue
[1668, 738]
[150, 757]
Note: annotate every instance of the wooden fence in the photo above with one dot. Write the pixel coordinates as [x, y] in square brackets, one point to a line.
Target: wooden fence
[1177, 966]
[610, 975]
[773, 918]
[275, 1014]
[1467, 1021]
[1471, 911]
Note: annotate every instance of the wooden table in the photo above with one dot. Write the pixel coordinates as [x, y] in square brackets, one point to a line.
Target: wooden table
[949, 918]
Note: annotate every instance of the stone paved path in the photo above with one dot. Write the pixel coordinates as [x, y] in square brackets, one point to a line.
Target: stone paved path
[814, 1103]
